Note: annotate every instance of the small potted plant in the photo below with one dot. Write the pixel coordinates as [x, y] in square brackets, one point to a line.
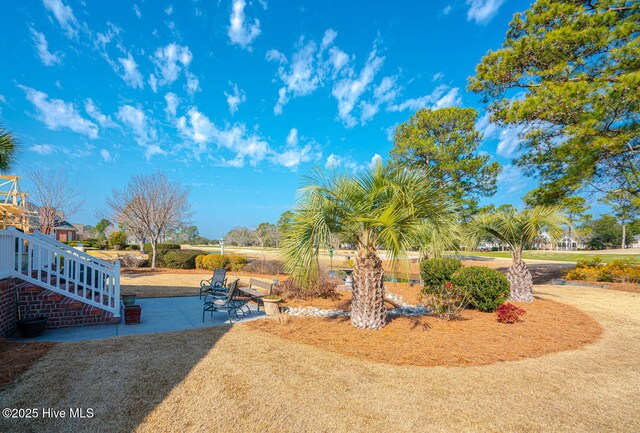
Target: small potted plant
[128, 299]
[271, 305]
[33, 327]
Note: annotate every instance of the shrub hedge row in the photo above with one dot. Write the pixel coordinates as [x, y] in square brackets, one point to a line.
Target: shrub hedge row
[147, 247]
[220, 261]
[175, 259]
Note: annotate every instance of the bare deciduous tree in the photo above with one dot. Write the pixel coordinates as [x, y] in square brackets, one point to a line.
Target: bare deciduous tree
[149, 206]
[54, 193]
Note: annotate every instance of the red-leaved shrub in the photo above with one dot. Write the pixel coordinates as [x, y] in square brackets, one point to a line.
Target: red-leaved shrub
[509, 313]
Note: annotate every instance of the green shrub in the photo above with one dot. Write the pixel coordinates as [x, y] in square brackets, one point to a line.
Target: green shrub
[147, 246]
[436, 272]
[487, 288]
[117, 240]
[220, 261]
[180, 259]
[134, 247]
[94, 243]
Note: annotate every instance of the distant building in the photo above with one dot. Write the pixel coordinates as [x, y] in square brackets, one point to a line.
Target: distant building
[635, 241]
[65, 232]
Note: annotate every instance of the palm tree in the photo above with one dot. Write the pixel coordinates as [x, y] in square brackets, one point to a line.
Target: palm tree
[382, 207]
[7, 150]
[517, 229]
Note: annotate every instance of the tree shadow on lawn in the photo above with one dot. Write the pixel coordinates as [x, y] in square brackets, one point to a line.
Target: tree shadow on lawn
[160, 291]
[544, 273]
[121, 379]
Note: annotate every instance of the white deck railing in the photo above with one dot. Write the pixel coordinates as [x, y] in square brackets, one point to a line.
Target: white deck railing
[41, 260]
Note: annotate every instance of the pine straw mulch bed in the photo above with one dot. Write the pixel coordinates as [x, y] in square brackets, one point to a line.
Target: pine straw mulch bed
[476, 339]
[18, 357]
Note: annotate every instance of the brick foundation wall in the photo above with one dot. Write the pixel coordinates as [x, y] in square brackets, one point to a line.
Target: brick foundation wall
[7, 307]
[61, 311]
[34, 301]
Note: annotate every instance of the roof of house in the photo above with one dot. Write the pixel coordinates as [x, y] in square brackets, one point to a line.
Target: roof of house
[64, 225]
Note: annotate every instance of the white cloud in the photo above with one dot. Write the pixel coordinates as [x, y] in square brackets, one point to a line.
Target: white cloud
[481, 11]
[292, 138]
[511, 179]
[42, 46]
[375, 160]
[348, 90]
[441, 97]
[172, 101]
[169, 61]
[292, 158]
[338, 59]
[313, 65]
[131, 75]
[293, 155]
[153, 83]
[244, 145]
[390, 132]
[509, 139]
[169, 10]
[274, 55]
[136, 9]
[42, 149]
[235, 98]
[240, 32]
[193, 84]
[449, 99]
[106, 155]
[200, 130]
[509, 143]
[384, 93]
[447, 9]
[334, 162]
[103, 120]
[300, 78]
[437, 76]
[57, 114]
[64, 15]
[136, 120]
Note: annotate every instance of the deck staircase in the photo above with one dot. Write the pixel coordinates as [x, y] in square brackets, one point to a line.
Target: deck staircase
[42, 261]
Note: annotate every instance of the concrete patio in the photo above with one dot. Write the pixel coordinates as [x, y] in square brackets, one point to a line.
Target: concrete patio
[158, 315]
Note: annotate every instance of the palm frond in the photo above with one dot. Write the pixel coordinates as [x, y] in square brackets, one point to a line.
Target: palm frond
[384, 207]
[8, 150]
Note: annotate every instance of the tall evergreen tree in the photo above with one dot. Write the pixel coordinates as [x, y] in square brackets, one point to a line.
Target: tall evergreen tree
[444, 143]
[568, 71]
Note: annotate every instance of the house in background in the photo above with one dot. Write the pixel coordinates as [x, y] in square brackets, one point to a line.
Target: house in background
[635, 242]
[65, 232]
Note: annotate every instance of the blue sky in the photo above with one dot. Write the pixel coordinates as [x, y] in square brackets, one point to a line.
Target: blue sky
[236, 99]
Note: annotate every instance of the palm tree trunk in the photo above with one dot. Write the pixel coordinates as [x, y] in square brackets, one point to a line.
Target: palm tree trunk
[367, 304]
[520, 279]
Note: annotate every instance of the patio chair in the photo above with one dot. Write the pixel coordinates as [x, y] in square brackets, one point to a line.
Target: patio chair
[217, 283]
[231, 302]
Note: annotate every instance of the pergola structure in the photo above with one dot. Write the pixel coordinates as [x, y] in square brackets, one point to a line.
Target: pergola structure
[14, 211]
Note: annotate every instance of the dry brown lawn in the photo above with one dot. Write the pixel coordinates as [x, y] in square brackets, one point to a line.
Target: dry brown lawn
[18, 357]
[242, 380]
